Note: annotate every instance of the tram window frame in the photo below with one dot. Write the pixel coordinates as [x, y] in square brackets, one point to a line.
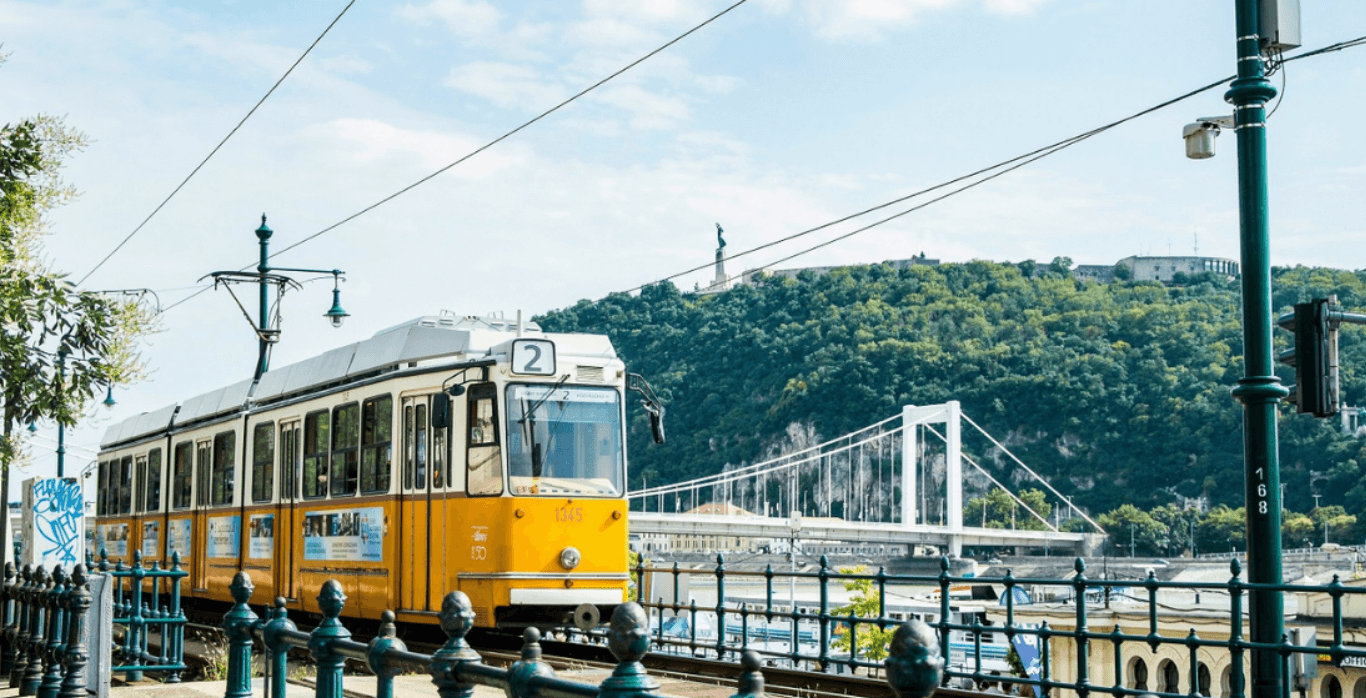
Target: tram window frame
[262, 462]
[486, 427]
[376, 444]
[152, 500]
[139, 481]
[315, 485]
[345, 477]
[182, 475]
[203, 464]
[101, 482]
[224, 478]
[125, 500]
[291, 458]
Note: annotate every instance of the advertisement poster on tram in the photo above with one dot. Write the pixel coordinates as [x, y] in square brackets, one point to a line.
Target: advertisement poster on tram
[225, 536]
[261, 536]
[178, 538]
[351, 535]
[151, 540]
[112, 540]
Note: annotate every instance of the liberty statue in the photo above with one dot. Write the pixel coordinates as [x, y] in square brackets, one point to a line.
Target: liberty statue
[720, 241]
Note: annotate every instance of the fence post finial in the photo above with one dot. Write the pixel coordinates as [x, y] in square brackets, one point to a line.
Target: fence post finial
[751, 683]
[375, 656]
[522, 671]
[628, 638]
[237, 625]
[457, 618]
[331, 601]
[279, 651]
[914, 666]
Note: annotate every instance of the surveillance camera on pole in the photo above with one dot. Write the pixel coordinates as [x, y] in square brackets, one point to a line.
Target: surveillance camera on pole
[1201, 134]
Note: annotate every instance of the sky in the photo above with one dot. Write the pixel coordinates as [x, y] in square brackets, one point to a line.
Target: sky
[777, 117]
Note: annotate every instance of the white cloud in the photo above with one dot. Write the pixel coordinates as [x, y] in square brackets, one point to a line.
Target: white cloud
[506, 85]
[463, 17]
[872, 20]
[364, 141]
[649, 111]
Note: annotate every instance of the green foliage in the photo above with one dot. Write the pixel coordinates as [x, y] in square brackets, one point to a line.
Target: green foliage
[1117, 393]
[865, 603]
[59, 347]
[1123, 272]
[1134, 531]
[996, 509]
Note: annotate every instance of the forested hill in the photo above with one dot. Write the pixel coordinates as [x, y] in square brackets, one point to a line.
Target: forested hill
[1119, 393]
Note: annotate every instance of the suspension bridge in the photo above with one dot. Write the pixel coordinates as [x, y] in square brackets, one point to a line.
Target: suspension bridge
[898, 481]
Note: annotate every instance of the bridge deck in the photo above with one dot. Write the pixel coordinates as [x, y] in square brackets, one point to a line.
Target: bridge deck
[849, 531]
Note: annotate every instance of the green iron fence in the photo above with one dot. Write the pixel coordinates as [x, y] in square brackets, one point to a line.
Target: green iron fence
[40, 646]
[1075, 655]
[456, 668]
[147, 610]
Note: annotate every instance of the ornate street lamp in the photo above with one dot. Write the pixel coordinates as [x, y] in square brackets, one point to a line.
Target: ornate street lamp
[268, 332]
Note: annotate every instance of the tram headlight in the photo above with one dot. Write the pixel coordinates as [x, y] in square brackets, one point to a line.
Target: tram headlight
[569, 558]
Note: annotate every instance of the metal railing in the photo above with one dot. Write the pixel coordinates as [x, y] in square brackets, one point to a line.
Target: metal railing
[1063, 634]
[40, 646]
[147, 607]
[456, 668]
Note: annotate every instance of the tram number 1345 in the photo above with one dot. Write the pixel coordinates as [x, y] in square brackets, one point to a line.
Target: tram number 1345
[569, 515]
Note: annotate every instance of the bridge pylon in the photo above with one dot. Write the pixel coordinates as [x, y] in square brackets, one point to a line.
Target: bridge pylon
[950, 414]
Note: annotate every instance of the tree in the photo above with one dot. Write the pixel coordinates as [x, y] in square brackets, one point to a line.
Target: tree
[1180, 525]
[997, 509]
[1134, 531]
[1123, 272]
[1297, 530]
[59, 347]
[1333, 521]
[1222, 526]
[866, 603]
[1061, 266]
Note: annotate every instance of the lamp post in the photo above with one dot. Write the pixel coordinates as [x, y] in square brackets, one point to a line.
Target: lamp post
[266, 275]
[1259, 390]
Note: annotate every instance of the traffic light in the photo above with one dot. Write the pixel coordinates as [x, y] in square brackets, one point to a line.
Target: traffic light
[1315, 357]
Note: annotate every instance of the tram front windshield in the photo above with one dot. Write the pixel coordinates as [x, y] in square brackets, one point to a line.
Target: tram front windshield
[564, 441]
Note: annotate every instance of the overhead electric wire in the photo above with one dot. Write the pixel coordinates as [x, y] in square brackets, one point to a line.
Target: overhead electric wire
[1014, 163]
[509, 134]
[1022, 160]
[217, 147]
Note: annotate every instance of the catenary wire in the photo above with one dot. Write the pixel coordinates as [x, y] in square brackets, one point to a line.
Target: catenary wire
[509, 134]
[217, 147]
[1028, 157]
[1009, 165]
[1034, 154]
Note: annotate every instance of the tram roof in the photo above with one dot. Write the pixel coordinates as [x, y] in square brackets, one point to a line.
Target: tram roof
[423, 338]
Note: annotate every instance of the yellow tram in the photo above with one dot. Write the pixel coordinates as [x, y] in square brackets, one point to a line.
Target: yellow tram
[445, 453]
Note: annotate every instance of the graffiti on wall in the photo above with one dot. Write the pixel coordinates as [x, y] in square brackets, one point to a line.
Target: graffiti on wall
[54, 520]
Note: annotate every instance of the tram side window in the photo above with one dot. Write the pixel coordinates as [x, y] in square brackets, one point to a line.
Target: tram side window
[376, 439]
[152, 501]
[102, 496]
[203, 458]
[263, 462]
[180, 475]
[315, 454]
[125, 485]
[415, 446]
[484, 457]
[140, 475]
[224, 467]
[345, 439]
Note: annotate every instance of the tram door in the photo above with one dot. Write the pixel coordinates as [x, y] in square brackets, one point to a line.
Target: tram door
[287, 526]
[416, 511]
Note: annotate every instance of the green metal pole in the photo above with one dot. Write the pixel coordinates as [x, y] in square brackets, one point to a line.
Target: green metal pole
[61, 426]
[1259, 389]
[263, 234]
